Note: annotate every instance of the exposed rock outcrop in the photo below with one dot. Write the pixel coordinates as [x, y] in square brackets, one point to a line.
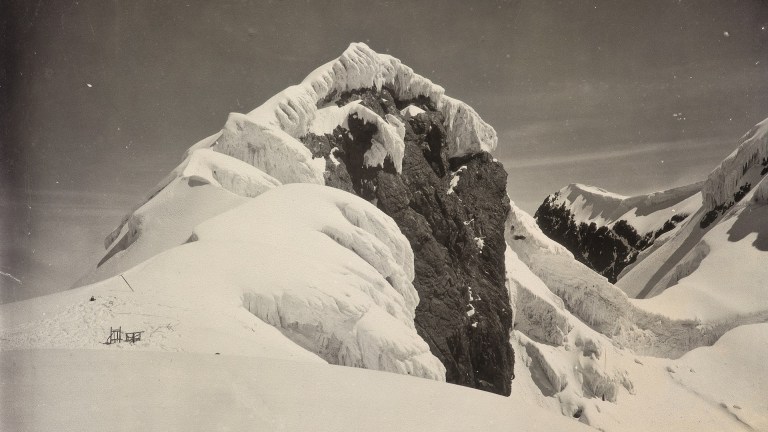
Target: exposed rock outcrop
[452, 211]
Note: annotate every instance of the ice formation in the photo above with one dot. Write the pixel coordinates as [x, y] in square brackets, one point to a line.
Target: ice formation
[346, 292]
[327, 268]
[205, 184]
[728, 177]
[598, 303]
[386, 142]
[267, 137]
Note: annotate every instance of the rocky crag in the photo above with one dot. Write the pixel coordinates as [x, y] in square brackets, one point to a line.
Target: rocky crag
[452, 211]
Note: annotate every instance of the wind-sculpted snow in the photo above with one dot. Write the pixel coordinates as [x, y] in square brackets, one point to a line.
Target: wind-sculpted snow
[330, 270]
[521, 226]
[386, 142]
[563, 357]
[267, 137]
[205, 184]
[725, 180]
[208, 167]
[269, 149]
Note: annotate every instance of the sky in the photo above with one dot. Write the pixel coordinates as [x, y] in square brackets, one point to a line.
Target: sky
[100, 99]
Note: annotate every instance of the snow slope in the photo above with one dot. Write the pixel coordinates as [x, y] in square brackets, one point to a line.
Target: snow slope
[596, 372]
[714, 270]
[326, 268]
[241, 252]
[723, 272]
[204, 185]
[128, 391]
[601, 305]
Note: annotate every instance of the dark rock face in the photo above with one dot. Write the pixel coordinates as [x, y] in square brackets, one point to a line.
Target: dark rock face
[456, 233]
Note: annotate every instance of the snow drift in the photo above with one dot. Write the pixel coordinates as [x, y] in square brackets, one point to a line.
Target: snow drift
[326, 268]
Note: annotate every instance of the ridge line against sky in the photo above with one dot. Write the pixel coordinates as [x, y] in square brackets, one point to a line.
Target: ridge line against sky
[104, 97]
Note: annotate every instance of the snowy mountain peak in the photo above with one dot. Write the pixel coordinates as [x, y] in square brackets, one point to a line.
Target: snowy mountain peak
[645, 212]
[591, 190]
[272, 130]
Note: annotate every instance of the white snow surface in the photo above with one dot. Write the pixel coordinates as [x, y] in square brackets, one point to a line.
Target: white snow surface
[601, 305]
[205, 184]
[326, 268]
[118, 390]
[646, 213]
[711, 275]
[411, 111]
[728, 177]
[570, 369]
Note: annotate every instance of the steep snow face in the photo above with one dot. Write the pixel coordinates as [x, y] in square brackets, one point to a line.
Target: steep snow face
[740, 167]
[645, 213]
[267, 137]
[205, 184]
[607, 231]
[527, 238]
[712, 266]
[711, 275]
[345, 293]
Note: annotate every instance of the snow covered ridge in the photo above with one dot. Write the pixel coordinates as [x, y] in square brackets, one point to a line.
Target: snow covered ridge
[325, 267]
[645, 213]
[733, 172]
[268, 136]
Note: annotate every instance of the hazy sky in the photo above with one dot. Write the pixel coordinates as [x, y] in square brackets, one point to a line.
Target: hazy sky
[100, 99]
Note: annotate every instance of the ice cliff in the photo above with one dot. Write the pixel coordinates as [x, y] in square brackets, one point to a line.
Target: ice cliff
[726, 179]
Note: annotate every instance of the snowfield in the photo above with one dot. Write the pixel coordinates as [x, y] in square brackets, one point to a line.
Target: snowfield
[87, 390]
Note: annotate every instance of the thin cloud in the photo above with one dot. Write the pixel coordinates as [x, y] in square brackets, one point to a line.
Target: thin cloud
[602, 156]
